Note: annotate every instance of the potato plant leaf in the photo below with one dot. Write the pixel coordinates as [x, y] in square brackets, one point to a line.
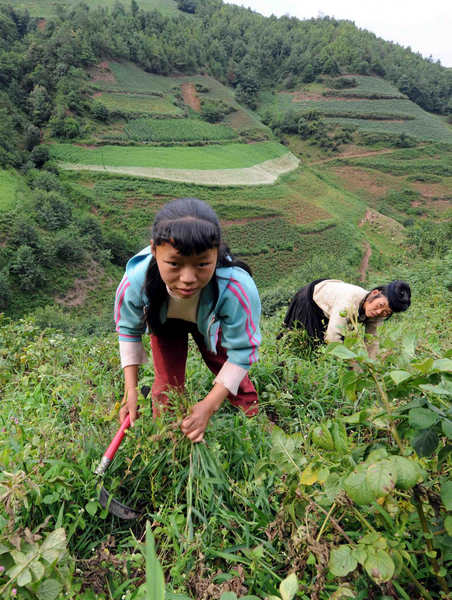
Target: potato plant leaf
[422, 418]
[443, 364]
[379, 565]
[446, 494]
[288, 587]
[425, 442]
[49, 590]
[448, 525]
[446, 426]
[399, 376]
[381, 477]
[342, 352]
[54, 545]
[342, 561]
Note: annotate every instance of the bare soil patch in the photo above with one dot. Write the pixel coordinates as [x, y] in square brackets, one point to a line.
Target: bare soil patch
[300, 96]
[101, 72]
[41, 24]
[432, 190]
[375, 184]
[381, 223]
[190, 96]
[76, 296]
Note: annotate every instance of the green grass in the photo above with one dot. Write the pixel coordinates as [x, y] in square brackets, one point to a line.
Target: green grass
[47, 8]
[9, 185]
[176, 130]
[228, 156]
[138, 103]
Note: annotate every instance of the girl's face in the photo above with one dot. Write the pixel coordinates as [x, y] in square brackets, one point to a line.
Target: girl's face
[184, 275]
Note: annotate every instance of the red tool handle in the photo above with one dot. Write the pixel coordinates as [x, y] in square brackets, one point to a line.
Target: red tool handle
[115, 442]
[114, 445]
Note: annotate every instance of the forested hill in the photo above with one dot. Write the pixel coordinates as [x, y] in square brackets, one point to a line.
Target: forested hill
[40, 59]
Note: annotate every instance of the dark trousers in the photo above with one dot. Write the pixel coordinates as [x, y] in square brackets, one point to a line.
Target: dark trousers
[169, 352]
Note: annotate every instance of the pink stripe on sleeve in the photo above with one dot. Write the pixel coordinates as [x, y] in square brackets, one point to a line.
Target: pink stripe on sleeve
[121, 299]
[247, 325]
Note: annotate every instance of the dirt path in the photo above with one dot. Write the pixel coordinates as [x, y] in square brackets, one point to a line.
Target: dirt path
[190, 96]
[365, 262]
[264, 173]
[373, 153]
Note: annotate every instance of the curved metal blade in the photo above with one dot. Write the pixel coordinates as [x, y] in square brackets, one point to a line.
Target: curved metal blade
[115, 507]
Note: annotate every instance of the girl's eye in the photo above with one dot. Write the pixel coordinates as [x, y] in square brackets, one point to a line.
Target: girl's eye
[204, 264]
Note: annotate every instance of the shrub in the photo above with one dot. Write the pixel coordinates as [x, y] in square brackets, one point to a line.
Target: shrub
[67, 246]
[26, 269]
[39, 155]
[91, 230]
[121, 247]
[53, 212]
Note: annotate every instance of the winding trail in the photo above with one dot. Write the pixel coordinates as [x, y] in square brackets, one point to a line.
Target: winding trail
[265, 173]
[365, 261]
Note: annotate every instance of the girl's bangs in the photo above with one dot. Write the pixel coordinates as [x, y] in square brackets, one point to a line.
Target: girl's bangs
[189, 236]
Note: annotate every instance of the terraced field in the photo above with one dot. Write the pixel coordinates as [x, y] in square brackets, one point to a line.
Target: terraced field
[121, 85]
[176, 130]
[138, 104]
[228, 156]
[391, 115]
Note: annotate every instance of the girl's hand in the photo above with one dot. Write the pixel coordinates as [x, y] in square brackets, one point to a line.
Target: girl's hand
[129, 406]
[195, 424]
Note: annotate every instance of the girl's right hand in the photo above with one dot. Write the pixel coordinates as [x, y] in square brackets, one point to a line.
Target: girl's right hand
[129, 406]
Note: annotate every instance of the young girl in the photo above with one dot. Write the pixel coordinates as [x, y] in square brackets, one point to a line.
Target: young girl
[187, 282]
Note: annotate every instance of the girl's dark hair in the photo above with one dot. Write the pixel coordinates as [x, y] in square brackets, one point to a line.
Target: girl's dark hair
[192, 227]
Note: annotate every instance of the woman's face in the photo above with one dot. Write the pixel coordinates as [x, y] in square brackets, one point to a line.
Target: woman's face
[184, 275]
[377, 305]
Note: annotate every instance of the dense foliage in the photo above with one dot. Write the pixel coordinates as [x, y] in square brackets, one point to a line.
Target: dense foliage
[42, 77]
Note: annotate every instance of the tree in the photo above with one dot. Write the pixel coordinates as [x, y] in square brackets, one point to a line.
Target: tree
[39, 104]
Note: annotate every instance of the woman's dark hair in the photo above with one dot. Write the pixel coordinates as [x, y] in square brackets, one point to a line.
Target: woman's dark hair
[192, 227]
[398, 294]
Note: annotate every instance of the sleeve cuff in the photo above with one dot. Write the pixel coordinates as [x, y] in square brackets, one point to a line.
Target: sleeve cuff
[132, 353]
[231, 376]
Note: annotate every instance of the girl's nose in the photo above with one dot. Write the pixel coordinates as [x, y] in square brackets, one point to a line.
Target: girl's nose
[188, 275]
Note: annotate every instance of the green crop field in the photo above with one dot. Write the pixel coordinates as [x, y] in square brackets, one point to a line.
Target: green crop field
[176, 130]
[9, 183]
[138, 103]
[229, 156]
[47, 8]
[368, 86]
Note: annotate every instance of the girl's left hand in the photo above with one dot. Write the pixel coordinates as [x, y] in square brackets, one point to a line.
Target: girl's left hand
[195, 424]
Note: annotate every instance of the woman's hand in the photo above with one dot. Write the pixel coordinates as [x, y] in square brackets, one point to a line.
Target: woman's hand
[195, 424]
[129, 406]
